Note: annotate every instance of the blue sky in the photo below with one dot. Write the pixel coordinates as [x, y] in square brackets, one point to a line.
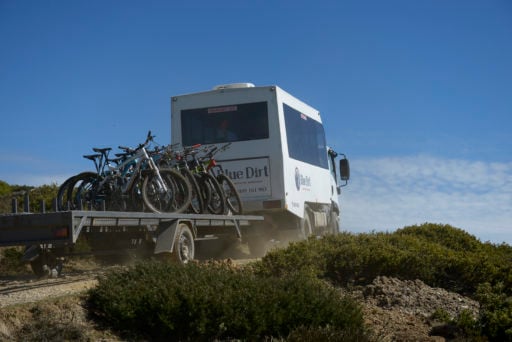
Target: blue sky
[418, 94]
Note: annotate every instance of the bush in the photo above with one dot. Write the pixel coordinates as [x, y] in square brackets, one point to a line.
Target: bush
[10, 261]
[45, 193]
[463, 327]
[218, 302]
[432, 253]
[450, 237]
[439, 255]
[496, 311]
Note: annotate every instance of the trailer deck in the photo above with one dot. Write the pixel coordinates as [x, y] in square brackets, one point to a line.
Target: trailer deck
[64, 228]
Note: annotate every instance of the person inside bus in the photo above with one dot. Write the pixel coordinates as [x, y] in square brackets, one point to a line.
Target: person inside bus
[224, 133]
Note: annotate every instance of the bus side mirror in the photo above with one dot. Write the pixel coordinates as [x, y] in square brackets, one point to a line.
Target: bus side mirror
[344, 170]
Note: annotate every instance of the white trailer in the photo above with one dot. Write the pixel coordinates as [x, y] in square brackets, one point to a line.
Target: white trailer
[278, 157]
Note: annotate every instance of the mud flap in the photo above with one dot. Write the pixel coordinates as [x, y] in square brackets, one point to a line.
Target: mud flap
[165, 236]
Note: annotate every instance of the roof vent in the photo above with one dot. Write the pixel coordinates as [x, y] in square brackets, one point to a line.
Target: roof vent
[233, 85]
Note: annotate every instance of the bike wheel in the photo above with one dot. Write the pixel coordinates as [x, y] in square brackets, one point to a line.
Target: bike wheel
[136, 202]
[204, 191]
[171, 197]
[196, 199]
[232, 196]
[88, 196]
[68, 189]
[63, 201]
[217, 201]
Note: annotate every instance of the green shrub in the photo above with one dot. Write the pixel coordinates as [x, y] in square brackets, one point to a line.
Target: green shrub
[44, 193]
[218, 302]
[495, 311]
[5, 188]
[439, 255]
[10, 261]
[450, 237]
[429, 252]
[463, 327]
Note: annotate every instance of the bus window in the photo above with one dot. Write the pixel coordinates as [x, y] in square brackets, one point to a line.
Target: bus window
[306, 138]
[212, 125]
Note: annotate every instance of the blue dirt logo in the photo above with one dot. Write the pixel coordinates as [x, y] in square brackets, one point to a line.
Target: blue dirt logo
[301, 180]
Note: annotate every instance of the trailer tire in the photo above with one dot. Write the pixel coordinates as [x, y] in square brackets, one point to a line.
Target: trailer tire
[184, 248]
[46, 264]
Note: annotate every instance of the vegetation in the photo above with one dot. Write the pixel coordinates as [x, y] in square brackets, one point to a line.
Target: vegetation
[37, 195]
[195, 302]
[439, 255]
[285, 294]
[496, 311]
[10, 261]
[291, 292]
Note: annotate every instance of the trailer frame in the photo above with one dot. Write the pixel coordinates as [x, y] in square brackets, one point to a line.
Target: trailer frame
[50, 234]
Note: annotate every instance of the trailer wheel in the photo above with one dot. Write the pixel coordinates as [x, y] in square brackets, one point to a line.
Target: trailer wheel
[184, 248]
[45, 264]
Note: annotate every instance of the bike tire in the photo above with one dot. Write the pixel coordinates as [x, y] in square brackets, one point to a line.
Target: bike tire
[204, 190]
[63, 202]
[175, 200]
[66, 195]
[135, 200]
[196, 199]
[217, 201]
[232, 196]
[87, 195]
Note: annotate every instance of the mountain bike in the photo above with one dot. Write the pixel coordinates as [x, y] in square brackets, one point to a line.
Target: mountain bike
[232, 197]
[211, 191]
[136, 179]
[67, 191]
[171, 157]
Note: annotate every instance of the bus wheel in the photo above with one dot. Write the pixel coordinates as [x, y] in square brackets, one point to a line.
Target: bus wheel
[334, 226]
[306, 230]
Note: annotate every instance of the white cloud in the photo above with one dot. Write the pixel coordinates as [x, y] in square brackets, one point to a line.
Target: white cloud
[390, 193]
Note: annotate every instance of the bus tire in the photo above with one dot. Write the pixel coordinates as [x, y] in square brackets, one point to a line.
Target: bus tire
[306, 229]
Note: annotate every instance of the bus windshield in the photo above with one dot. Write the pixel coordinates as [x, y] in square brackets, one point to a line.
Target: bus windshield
[212, 125]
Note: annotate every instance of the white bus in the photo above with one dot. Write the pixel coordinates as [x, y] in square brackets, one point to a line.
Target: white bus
[278, 157]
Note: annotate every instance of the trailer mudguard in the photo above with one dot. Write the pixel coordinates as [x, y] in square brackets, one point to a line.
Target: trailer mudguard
[165, 236]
